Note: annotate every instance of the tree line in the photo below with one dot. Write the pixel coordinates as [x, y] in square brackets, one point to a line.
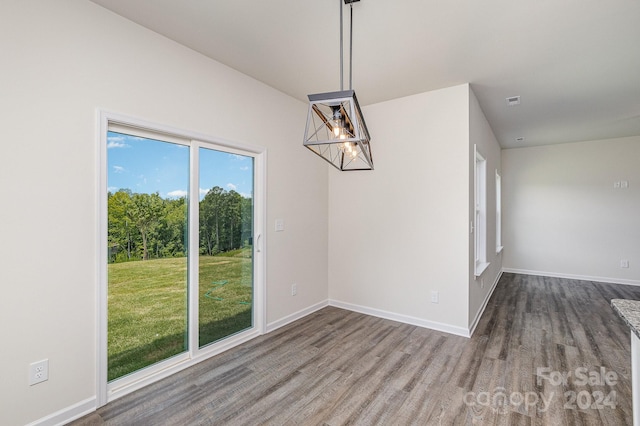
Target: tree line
[147, 226]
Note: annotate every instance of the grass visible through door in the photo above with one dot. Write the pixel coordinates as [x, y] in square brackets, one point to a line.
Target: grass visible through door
[148, 307]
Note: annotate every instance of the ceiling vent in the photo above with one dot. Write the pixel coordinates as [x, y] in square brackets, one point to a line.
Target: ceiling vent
[520, 139]
[513, 100]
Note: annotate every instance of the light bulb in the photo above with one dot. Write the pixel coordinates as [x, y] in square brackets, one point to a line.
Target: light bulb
[335, 125]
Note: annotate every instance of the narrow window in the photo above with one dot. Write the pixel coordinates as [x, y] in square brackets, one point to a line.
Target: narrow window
[480, 219]
[498, 212]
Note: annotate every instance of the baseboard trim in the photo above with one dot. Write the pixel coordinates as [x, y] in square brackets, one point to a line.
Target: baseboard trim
[68, 414]
[438, 326]
[296, 316]
[480, 312]
[572, 276]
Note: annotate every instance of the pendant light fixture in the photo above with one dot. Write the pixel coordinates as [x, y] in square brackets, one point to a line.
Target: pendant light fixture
[335, 129]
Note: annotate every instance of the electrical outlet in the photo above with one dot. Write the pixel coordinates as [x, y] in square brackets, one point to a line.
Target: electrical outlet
[38, 372]
[294, 289]
[624, 263]
[434, 297]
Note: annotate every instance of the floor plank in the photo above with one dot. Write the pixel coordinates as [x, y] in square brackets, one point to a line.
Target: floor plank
[336, 367]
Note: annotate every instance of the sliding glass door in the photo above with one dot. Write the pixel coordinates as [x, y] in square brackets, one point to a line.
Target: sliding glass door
[179, 263]
[226, 251]
[147, 252]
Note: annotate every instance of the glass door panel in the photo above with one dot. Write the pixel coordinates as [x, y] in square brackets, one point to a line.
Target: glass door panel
[147, 248]
[225, 294]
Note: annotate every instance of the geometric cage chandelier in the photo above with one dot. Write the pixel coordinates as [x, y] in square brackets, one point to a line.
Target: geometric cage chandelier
[335, 128]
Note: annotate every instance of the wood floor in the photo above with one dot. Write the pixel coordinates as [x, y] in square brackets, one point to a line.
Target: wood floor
[538, 342]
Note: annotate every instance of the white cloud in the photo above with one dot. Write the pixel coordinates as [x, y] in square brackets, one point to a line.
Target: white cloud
[244, 168]
[112, 189]
[118, 169]
[232, 186]
[178, 193]
[116, 142]
[238, 157]
[246, 195]
[203, 191]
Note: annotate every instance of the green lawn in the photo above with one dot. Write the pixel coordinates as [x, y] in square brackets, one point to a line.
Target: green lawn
[148, 307]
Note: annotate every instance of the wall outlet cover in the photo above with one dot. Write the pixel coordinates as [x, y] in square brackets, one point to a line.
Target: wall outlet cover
[38, 372]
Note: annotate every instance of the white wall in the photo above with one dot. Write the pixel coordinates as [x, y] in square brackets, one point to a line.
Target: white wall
[481, 135]
[401, 231]
[60, 62]
[562, 214]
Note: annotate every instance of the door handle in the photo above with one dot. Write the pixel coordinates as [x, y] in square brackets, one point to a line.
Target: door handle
[258, 238]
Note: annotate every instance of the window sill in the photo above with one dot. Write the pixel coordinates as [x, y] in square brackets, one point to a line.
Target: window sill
[480, 268]
[499, 249]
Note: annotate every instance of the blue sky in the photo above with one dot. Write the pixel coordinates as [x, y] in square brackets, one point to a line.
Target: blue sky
[148, 166]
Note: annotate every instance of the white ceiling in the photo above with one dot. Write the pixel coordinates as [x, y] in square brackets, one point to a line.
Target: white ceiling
[575, 63]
